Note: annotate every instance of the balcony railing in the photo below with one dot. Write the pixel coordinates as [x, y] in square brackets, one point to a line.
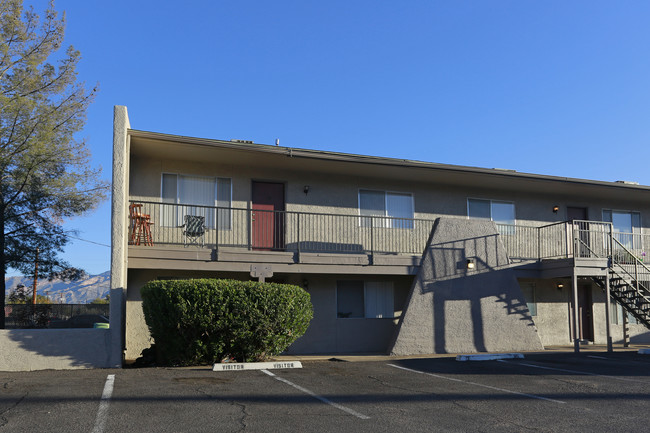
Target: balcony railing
[580, 239]
[309, 232]
[267, 230]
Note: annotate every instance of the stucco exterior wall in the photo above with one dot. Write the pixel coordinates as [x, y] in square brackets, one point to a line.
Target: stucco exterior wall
[553, 320]
[339, 194]
[455, 310]
[326, 333]
[55, 349]
[330, 334]
[553, 311]
[637, 332]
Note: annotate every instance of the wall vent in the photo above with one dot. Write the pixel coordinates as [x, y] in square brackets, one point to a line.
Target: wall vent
[242, 141]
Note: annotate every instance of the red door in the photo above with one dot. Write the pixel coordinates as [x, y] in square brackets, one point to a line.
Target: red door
[268, 216]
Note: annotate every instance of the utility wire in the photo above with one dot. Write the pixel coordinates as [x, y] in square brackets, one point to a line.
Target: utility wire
[85, 240]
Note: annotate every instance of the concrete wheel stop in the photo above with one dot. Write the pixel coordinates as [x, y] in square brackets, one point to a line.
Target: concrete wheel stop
[241, 366]
[489, 356]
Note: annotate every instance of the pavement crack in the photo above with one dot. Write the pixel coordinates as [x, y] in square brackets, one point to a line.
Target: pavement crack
[3, 420]
[245, 414]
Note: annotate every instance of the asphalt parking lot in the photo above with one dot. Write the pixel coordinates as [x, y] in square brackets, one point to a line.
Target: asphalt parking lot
[547, 392]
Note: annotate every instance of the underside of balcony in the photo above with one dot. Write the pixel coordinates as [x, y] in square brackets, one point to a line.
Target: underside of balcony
[241, 260]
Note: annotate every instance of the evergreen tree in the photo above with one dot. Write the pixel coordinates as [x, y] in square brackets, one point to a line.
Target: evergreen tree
[45, 172]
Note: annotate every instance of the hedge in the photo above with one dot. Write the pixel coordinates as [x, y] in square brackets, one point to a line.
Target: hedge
[204, 321]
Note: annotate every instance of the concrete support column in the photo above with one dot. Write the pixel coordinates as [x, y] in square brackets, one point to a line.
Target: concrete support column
[608, 314]
[119, 233]
[576, 315]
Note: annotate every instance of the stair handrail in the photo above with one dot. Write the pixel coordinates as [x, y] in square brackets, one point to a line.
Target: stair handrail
[637, 262]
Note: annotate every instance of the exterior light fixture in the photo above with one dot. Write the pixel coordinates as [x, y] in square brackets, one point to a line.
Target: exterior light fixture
[471, 264]
[559, 286]
[306, 189]
[556, 208]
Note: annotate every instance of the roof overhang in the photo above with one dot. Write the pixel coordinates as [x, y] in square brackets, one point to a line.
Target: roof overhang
[145, 143]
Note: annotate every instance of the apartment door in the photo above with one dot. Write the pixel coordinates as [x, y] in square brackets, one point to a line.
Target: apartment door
[267, 216]
[578, 215]
[585, 313]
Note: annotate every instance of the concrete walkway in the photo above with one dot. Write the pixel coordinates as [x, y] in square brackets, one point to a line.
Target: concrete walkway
[587, 348]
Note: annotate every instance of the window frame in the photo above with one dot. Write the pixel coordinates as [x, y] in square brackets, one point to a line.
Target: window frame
[533, 289]
[616, 313]
[511, 230]
[385, 220]
[215, 200]
[636, 236]
[365, 299]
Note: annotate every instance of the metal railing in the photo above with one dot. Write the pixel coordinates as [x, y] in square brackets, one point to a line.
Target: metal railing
[268, 230]
[579, 239]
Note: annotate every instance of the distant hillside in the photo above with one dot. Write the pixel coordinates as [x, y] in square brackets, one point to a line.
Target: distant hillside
[67, 292]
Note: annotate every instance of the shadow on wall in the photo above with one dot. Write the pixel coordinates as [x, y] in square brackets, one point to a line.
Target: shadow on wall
[36, 349]
[450, 259]
[466, 297]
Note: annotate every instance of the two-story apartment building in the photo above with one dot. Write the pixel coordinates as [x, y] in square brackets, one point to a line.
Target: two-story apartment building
[399, 256]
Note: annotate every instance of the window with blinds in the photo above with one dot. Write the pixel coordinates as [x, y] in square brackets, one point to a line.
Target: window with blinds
[210, 197]
[357, 299]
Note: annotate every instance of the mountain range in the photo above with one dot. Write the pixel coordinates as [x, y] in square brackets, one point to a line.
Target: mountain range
[81, 291]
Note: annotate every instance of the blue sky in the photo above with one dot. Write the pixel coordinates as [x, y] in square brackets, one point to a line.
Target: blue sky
[553, 87]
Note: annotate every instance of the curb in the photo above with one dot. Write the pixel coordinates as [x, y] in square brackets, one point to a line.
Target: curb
[490, 357]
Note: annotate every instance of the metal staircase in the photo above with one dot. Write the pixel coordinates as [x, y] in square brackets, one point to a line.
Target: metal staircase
[629, 282]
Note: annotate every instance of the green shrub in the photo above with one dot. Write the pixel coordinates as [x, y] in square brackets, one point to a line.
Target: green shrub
[202, 321]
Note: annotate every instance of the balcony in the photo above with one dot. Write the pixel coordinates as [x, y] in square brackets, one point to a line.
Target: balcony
[232, 234]
[220, 234]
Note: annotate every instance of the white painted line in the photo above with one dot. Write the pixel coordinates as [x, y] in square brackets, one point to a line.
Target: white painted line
[240, 366]
[586, 373]
[478, 384]
[489, 356]
[102, 412]
[644, 351]
[317, 397]
[596, 357]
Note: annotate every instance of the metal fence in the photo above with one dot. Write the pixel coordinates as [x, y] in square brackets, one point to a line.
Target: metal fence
[208, 226]
[21, 316]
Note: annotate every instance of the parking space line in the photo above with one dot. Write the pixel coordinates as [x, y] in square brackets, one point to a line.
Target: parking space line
[586, 373]
[478, 384]
[318, 397]
[102, 412]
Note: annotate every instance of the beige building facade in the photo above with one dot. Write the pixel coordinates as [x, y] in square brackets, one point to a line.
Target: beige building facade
[398, 256]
